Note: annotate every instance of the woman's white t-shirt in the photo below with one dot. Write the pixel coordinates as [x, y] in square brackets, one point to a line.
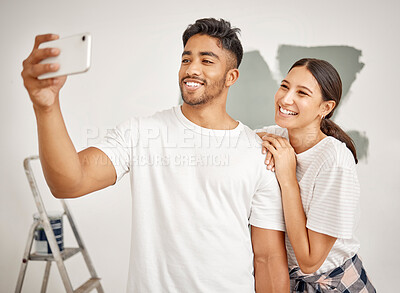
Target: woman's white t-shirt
[330, 194]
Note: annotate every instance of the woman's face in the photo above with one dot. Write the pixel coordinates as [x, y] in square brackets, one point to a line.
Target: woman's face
[298, 101]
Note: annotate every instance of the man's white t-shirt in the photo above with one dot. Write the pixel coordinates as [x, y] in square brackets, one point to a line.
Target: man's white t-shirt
[330, 194]
[194, 193]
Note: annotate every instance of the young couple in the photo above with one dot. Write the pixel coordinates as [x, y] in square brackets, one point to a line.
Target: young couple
[190, 221]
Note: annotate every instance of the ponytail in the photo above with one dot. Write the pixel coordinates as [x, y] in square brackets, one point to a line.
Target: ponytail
[330, 128]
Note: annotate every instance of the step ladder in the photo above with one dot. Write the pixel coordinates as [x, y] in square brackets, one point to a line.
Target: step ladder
[58, 256]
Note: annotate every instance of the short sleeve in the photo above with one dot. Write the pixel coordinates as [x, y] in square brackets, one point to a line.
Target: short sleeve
[266, 208]
[118, 144]
[333, 208]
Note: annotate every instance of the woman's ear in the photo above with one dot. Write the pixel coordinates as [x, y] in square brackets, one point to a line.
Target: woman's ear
[231, 77]
[327, 107]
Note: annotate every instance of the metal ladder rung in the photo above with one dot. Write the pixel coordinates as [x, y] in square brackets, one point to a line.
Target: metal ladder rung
[88, 286]
[57, 256]
[65, 254]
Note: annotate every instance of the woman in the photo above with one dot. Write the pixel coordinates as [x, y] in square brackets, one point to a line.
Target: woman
[317, 175]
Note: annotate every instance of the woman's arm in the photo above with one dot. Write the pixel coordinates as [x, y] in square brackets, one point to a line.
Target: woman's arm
[311, 248]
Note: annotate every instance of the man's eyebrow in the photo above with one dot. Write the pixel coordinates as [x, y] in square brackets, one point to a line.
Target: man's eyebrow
[211, 54]
[206, 53]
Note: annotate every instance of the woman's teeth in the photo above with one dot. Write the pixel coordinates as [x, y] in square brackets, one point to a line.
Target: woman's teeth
[287, 112]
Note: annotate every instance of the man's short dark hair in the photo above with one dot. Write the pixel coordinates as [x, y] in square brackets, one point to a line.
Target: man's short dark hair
[219, 29]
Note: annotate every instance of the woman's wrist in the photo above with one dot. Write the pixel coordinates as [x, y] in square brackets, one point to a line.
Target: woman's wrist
[289, 183]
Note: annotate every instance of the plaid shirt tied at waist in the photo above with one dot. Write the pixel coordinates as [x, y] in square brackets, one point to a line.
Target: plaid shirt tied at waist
[348, 278]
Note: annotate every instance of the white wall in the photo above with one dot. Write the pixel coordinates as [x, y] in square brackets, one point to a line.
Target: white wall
[136, 54]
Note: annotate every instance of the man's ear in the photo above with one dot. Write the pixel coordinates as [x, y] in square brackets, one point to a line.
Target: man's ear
[327, 107]
[231, 77]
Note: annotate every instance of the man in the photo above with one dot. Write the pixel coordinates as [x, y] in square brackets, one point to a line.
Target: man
[197, 175]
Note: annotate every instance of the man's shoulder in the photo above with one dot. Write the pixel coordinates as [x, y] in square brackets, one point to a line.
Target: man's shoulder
[161, 116]
[274, 129]
[250, 137]
[256, 141]
[157, 120]
[251, 147]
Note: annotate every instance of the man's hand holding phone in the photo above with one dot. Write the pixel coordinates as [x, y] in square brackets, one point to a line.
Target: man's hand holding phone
[43, 93]
[51, 60]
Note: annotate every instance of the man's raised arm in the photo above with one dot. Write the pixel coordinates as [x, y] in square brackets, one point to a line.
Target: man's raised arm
[68, 173]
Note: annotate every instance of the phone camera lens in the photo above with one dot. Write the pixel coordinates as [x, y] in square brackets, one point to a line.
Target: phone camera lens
[83, 38]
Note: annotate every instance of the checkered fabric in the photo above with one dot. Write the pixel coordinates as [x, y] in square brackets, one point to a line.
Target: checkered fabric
[348, 278]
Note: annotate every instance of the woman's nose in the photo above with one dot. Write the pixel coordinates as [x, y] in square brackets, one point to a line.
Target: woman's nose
[287, 98]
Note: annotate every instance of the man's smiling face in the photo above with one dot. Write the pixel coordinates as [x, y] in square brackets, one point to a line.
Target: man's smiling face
[203, 70]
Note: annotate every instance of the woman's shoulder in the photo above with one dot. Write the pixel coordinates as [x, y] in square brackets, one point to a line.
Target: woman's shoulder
[336, 153]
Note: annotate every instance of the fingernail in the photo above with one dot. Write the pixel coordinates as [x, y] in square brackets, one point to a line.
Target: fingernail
[267, 162]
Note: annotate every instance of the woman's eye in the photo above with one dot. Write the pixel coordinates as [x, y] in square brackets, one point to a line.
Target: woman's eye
[185, 60]
[207, 61]
[303, 93]
[284, 86]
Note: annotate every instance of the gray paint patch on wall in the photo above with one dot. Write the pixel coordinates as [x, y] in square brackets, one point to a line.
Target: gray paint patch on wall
[362, 143]
[251, 99]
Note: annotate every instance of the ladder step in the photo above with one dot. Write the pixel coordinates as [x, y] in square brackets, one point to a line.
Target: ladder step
[65, 254]
[88, 286]
[58, 256]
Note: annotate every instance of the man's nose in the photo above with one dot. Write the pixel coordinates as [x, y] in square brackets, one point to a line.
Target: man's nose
[194, 68]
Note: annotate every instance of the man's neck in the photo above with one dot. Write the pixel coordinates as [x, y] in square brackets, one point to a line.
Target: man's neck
[210, 115]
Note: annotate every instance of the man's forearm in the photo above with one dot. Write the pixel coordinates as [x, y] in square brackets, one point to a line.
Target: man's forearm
[59, 159]
[271, 275]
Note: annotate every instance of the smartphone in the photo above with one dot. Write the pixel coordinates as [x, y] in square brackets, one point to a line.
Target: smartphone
[74, 55]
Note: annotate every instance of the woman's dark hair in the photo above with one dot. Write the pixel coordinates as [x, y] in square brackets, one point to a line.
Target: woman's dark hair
[331, 88]
[219, 29]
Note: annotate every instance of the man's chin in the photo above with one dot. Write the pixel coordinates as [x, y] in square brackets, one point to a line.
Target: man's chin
[194, 102]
